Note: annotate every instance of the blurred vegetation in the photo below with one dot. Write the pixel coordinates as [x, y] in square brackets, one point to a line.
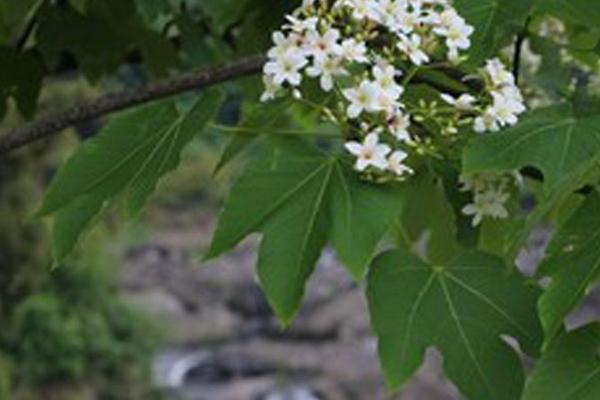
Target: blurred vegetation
[65, 332]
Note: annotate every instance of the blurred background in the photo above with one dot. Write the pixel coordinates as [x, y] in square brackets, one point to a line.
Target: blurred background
[136, 313]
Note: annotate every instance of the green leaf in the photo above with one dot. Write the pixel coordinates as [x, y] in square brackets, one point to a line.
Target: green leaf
[101, 38]
[582, 12]
[127, 158]
[224, 12]
[256, 117]
[461, 307]
[21, 79]
[494, 21]
[295, 235]
[428, 214]
[13, 17]
[97, 48]
[361, 215]
[79, 5]
[262, 17]
[561, 143]
[71, 222]
[299, 198]
[569, 369]
[575, 261]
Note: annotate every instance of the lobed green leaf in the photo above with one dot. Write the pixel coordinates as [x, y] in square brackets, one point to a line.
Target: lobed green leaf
[300, 198]
[462, 307]
[569, 369]
[127, 158]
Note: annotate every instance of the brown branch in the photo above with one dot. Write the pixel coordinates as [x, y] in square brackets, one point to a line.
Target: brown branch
[52, 124]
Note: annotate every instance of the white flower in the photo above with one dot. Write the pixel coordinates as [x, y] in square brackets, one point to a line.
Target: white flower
[354, 51]
[487, 122]
[363, 98]
[398, 124]
[389, 10]
[385, 78]
[511, 92]
[283, 45]
[457, 36]
[286, 69]
[369, 153]
[506, 109]
[307, 5]
[411, 46]
[271, 88]
[498, 73]
[489, 203]
[300, 25]
[456, 31]
[396, 163]
[326, 68]
[322, 46]
[385, 102]
[406, 21]
[463, 103]
[362, 9]
[469, 182]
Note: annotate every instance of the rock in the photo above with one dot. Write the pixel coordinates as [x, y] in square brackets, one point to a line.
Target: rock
[345, 316]
[588, 312]
[240, 389]
[293, 393]
[156, 303]
[211, 324]
[223, 343]
[535, 250]
[429, 382]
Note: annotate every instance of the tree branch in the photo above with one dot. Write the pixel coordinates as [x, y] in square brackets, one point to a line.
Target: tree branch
[52, 124]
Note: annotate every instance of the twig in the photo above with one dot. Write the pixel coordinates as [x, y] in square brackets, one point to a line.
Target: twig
[521, 37]
[30, 26]
[54, 123]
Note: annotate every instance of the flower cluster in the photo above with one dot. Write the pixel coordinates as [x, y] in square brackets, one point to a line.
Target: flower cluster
[491, 192]
[365, 51]
[507, 102]
[365, 55]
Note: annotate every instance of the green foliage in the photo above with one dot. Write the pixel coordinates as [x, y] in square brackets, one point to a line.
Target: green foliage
[13, 16]
[496, 21]
[21, 79]
[65, 325]
[563, 144]
[108, 166]
[576, 11]
[438, 224]
[5, 377]
[569, 368]
[440, 286]
[461, 307]
[101, 38]
[75, 328]
[574, 265]
[299, 198]
[48, 339]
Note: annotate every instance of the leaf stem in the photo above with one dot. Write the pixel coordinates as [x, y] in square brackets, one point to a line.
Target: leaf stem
[409, 75]
[257, 131]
